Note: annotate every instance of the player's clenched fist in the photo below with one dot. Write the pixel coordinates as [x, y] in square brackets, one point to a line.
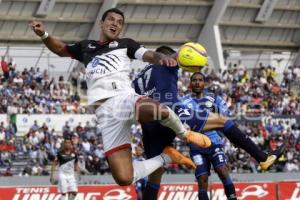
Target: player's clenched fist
[37, 27]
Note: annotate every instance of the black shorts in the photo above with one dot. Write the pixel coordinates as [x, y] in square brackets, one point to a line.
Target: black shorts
[155, 138]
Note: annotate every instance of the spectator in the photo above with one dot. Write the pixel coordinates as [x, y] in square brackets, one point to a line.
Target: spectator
[7, 172]
[5, 69]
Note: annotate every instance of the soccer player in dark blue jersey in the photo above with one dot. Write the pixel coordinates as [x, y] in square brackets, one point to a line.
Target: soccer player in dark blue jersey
[160, 83]
[204, 100]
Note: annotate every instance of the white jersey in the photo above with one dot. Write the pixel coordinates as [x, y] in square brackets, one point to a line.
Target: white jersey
[107, 66]
[66, 163]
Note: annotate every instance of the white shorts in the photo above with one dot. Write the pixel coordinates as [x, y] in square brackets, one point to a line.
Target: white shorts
[66, 183]
[115, 118]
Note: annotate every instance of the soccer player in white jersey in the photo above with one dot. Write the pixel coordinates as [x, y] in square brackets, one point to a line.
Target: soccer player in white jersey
[67, 162]
[107, 63]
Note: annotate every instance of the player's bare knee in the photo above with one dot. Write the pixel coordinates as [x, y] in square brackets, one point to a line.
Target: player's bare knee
[222, 172]
[147, 110]
[124, 180]
[164, 112]
[203, 182]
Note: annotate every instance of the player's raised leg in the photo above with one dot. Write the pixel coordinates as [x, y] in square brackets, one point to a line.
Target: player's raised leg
[148, 110]
[237, 137]
[117, 146]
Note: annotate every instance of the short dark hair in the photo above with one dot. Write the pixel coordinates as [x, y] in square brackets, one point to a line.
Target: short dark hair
[114, 10]
[200, 73]
[165, 50]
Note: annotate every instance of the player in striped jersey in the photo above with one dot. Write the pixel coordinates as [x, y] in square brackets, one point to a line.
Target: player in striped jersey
[67, 162]
[107, 63]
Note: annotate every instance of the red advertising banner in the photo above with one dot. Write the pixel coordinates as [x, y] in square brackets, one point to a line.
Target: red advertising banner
[246, 191]
[289, 190]
[189, 191]
[178, 191]
[103, 192]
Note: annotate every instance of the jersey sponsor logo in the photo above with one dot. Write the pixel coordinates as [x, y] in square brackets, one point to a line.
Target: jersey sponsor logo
[183, 111]
[103, 64]
[149, 92]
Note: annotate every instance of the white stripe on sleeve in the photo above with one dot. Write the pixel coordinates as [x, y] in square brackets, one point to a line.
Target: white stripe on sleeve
[140, 53]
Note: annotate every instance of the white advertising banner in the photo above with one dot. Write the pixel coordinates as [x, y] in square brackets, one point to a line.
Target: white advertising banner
[56, 122]
[4, 119]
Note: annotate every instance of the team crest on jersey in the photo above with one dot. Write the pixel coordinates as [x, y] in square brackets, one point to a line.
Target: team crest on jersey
[113, 44]
[208, 104]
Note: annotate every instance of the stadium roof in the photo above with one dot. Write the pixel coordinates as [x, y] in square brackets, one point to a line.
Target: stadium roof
[155, 22]
[272, 25]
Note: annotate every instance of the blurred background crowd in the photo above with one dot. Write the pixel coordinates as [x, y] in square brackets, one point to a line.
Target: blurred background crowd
[254, 93]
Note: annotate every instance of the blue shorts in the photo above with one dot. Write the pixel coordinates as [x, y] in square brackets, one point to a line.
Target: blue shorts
[155, 138]
[215, 156]
[140, 185]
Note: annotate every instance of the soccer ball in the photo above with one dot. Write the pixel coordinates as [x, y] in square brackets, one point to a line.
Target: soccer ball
[192, 57]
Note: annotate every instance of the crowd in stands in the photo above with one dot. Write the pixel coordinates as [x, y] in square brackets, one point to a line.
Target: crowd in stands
[255, 94]
[31, 91]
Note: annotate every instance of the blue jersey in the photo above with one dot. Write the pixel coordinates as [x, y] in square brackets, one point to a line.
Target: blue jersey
[211, 103]
[159, 83]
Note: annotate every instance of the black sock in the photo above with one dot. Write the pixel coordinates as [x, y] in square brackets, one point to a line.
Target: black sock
[237, 137]
[151, 191]
[229, 189]
[202, 194]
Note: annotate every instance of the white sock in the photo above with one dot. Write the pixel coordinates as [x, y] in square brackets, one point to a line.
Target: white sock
[144, 168]
[63, 197]
[71, 197]
[174, 123]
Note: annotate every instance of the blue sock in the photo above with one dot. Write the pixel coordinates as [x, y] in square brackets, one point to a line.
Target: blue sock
[202, 194]
[240, 139]
[151, 191]
[229, 189]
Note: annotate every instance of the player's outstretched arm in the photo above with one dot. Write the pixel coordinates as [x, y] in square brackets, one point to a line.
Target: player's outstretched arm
[53, 44]
[158, 58]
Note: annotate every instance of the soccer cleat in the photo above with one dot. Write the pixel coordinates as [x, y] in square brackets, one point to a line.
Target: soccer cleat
[198, 139]
[272, 158]
[178, 158]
